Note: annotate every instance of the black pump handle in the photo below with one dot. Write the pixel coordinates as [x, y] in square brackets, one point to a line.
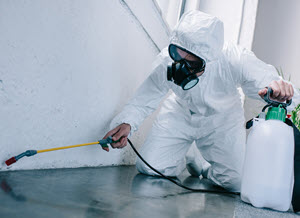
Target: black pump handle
[275, 103]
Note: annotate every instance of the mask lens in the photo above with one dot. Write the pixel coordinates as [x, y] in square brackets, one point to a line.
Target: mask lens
[194, 65]
[173, 53]
[197, 66]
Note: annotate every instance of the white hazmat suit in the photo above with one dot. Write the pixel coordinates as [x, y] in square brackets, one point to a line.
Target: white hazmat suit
[210, 114]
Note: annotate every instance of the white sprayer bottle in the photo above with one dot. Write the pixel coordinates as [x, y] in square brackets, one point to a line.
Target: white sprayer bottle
[268, 175]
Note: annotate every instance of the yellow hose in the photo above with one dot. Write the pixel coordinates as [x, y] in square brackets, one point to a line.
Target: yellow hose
[65, 147]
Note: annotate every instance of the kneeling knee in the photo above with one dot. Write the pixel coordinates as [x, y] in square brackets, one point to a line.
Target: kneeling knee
[167, 170]
[230, 182]
[141, 167]
[233, 184]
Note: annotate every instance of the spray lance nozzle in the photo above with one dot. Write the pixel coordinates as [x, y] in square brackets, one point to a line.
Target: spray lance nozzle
[14, 159]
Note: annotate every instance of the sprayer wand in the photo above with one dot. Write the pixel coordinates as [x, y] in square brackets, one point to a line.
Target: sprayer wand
[28, 153]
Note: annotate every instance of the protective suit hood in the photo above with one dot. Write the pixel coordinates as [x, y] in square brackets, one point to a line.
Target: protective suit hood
[199, 33]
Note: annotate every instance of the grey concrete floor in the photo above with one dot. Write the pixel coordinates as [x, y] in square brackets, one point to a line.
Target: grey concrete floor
[114, 192]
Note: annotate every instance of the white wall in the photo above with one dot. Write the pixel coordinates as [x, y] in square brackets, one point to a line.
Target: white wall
[277, 33]
[170, 10]
[66, 68]
[276, 41]
[229, 12]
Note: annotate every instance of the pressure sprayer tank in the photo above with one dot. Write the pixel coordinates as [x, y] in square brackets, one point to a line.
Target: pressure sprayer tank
[268, 175]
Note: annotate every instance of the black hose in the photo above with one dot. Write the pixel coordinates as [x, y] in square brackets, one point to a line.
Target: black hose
[178, 183]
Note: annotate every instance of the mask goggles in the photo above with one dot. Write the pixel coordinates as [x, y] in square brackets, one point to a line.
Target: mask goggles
[183, 72]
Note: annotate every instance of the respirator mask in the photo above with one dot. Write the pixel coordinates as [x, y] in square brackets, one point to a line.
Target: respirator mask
[183, 72]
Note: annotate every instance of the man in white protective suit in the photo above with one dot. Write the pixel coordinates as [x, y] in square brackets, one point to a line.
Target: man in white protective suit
[205, 105]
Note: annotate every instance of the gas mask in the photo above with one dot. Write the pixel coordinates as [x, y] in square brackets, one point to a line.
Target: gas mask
[183, 72]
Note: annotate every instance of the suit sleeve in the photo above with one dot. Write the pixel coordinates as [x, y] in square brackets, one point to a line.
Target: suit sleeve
[147, 97]
[252, 74]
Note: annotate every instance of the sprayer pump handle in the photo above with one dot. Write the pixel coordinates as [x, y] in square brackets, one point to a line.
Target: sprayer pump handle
[275, 103]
